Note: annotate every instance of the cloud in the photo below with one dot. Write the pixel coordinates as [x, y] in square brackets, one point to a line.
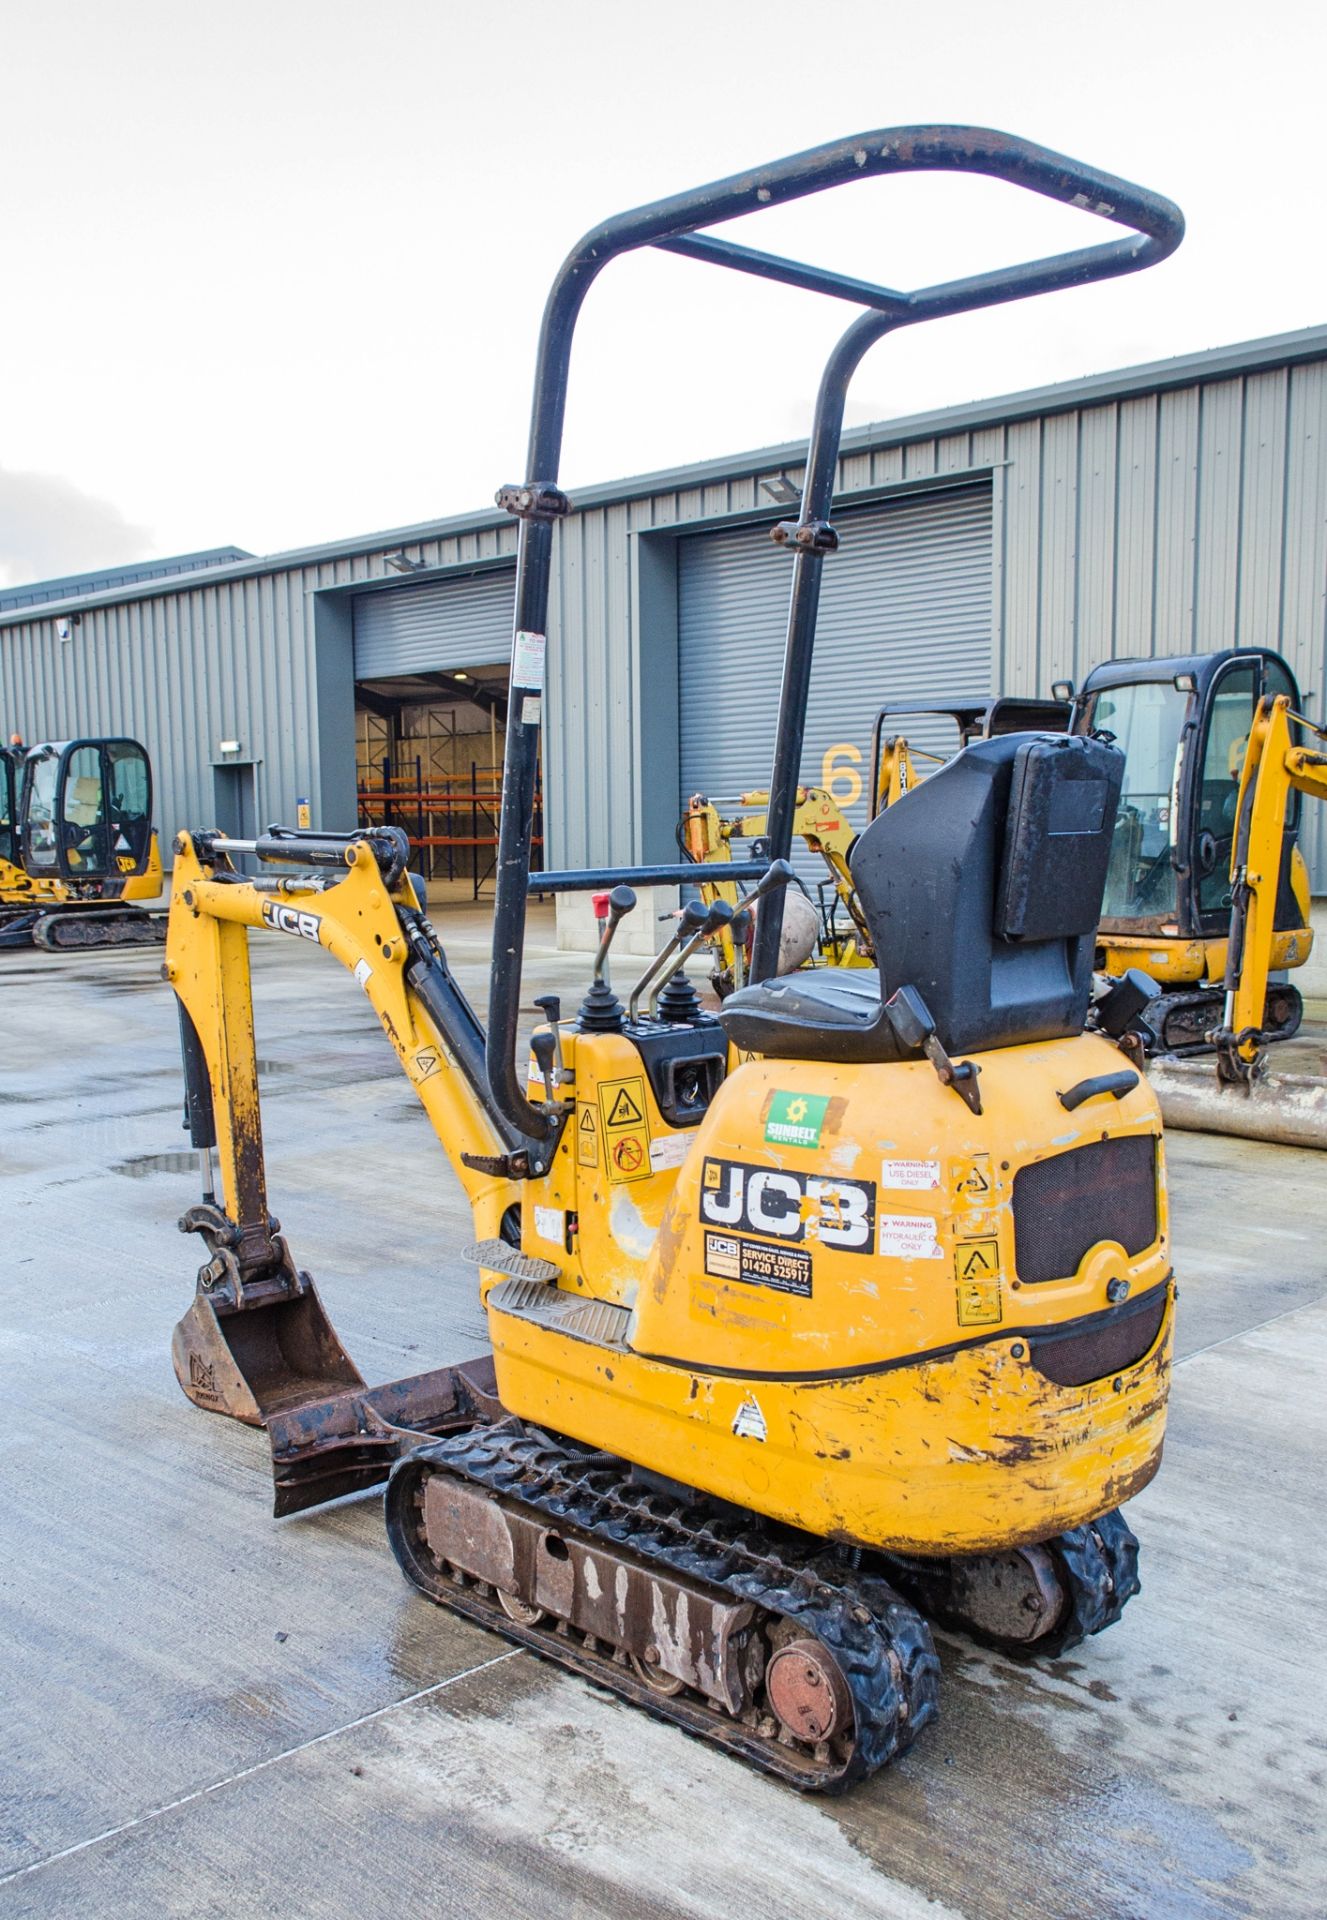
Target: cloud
[49, 527]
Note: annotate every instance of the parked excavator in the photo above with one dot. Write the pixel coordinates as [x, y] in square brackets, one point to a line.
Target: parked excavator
[1207, 889]
[847, 1307]
[77, 847]
[704, 834]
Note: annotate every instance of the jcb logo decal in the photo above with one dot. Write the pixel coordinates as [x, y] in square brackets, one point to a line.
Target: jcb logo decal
[789, 1206]
[291, 920]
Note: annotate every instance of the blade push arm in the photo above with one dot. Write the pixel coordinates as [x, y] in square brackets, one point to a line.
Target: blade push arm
[1274, 768]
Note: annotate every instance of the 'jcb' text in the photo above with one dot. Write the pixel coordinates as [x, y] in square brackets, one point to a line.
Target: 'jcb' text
[789, 1206]
[291, 920]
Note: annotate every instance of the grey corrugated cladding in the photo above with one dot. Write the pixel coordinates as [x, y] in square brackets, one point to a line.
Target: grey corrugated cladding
[1160, 509]
[111, 579]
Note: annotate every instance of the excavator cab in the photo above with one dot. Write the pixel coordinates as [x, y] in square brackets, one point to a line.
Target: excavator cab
[79, 841]
[1183, 724]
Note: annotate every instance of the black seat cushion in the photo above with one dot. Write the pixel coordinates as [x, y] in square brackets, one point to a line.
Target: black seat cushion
[982, 888]
[818, 1013]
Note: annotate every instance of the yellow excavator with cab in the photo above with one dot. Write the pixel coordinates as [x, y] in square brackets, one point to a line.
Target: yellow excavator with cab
[847, 1307]
[77, 847]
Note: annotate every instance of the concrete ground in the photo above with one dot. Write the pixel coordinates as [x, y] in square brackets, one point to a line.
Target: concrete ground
[210, 1714]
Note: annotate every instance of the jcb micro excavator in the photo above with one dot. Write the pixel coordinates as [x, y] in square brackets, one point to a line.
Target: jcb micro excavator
[77, 847]
[850, 1305]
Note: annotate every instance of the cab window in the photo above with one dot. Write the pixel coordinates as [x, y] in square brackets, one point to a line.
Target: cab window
[1146, 719]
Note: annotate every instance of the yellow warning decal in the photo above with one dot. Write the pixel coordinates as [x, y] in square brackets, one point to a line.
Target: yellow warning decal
[977, 1260]
[979, 1303]
[587, 1137]
[626, 1131]
[972, 1180]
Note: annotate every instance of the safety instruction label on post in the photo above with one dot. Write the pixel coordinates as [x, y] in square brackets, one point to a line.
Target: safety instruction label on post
[626, 1129]
[527, 661]
[587, 1136]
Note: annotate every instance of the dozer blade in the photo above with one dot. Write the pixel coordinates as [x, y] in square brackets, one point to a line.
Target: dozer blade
[352, 1440]
[1287, 1109]
[266, 1358]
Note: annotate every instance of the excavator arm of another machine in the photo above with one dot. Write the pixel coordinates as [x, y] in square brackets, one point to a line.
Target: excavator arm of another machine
[1274, 768]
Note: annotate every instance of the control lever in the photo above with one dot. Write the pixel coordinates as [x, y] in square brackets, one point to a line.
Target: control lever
[910, 1017]
[550, 1005]
[777, 874]
[720, 915]
[620, 903]
[693, 915]
[544, 1047]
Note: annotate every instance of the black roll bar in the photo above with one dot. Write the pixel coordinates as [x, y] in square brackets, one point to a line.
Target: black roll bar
[1156, 227]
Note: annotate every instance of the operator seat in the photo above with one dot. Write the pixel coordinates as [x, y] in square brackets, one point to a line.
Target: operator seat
[982, 889]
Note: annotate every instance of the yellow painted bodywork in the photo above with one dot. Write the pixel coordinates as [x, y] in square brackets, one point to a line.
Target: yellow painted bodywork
[934, 1434]
[895, 1402]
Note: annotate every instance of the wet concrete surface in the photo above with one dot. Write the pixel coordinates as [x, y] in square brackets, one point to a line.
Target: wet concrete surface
[209, 1713]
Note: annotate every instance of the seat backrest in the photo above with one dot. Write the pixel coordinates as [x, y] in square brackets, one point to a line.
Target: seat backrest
[982, 887]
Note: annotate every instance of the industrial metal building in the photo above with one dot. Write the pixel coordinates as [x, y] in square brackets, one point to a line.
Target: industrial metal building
[992, 547]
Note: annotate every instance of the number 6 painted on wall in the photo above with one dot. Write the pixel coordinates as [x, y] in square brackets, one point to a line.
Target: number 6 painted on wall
[842, 784]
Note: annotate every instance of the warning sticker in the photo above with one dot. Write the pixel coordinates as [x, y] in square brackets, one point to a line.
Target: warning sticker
[729, 1257]
[972, 1178]
[363, 973]
[669, 1150]
[626, 1110]
[427, 1062]
[979, 1303]
[587, 1137]
[977, 1259]
[795, 1119]
[527, 661]
[749, 1423]
[550, 1223]
[626, 1132]
[910, 1175]
[628, 1156]
[910, 1236]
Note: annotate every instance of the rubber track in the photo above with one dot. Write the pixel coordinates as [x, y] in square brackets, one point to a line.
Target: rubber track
[1097, 1567]
[116, 927]
[881, 1643]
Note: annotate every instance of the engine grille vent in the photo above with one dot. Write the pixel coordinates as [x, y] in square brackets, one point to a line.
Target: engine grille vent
[1114, 1342]
[1065, 1205]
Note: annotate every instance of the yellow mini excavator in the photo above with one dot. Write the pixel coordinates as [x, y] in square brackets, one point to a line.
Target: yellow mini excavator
[77, 847]
[847, 1307]
[704, 834]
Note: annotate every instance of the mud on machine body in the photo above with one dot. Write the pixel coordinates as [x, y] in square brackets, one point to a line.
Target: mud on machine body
[846, 1308]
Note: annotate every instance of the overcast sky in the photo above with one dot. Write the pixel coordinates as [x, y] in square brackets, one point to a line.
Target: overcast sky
[273, 269]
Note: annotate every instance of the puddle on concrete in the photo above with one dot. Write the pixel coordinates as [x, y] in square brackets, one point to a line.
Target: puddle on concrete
[142, 1164]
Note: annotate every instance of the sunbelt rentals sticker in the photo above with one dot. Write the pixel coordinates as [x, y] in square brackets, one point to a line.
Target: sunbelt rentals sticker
[795, 1119]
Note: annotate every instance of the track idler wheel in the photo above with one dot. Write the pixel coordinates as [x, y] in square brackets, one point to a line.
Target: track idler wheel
[808, 1693]
[1033, 1602]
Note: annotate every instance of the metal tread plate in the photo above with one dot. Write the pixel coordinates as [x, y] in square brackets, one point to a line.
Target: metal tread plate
[597, 1321]
[498, 1256]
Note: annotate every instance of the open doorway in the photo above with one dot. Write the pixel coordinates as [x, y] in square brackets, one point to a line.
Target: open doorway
[429, 749]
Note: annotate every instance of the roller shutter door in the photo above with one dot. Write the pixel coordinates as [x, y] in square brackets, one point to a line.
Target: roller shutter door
[905, 614]
[441, 624]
